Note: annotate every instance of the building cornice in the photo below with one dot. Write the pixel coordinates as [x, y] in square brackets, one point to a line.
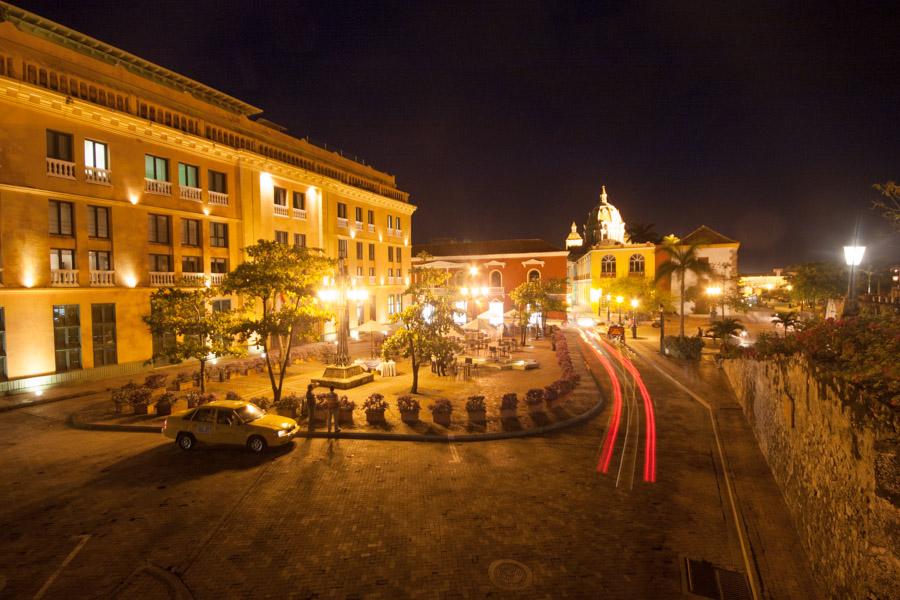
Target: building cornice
[48, 101]
[492, 256]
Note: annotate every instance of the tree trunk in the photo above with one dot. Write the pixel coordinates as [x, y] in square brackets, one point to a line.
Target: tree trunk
[682, 305]
[415, 382]
[276, 391]
[203, 376]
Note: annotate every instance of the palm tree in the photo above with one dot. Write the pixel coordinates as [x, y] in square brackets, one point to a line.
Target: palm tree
[723, 328]
[785, 319]
[640, 233]
[682, 260]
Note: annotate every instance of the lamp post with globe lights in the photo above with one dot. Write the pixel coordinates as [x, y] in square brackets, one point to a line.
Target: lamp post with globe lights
[853, 256]
[634, 305]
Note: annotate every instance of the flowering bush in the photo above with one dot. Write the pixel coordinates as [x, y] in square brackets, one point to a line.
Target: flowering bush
[262, 402]
[441, 406]
[509, 401]
[534, 397]
[322, 402]
[550, 393]
[139, 397]
[475, 404]
[346, 403]
[375, 402]
[408, 404]
[156, 381]
[232, 395]
[563, 386]
[683, 347]
[290, 401]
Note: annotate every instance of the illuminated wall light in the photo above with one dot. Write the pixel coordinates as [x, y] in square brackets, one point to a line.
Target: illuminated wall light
[129, 280]
[382, 281]
[406, 241]
[352, 234]
[206, 210]
[28, 279]
[38, 392]
[380, 238]
[265, 181]
[133, 198]
[407, 281]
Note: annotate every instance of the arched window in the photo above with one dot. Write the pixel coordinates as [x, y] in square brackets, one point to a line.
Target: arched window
[636, 264]
[534, 275]
[608, 266]
[496, 279]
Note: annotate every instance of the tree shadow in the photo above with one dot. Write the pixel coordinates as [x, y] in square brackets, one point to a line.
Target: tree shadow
[511, 424]
[560, 413]
[540, 419]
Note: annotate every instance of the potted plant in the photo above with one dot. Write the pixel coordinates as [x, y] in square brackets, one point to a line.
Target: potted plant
[156, 381]
[287, 406]
[165, 403]
[409, 409]
[375, 405]
[440, 411]
[182, 382]
[321, 408]
[232, 395]
[509, 406]
[534, 399]
[345, 410]
[120, 397]
[193, 399]
[477, 410]
[261, 402]
[551, 396]
[139, 399]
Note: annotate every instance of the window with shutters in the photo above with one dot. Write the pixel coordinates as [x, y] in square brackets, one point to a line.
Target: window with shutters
[341, 210]
[279, 196]
[218, 265]
[3, 372]
[191, 264]
[342, 248]
[218, 235]
[96, 154]
[161, 263]
[300, 240]
[103, 334]
[299, 200]
[399, 254]
[371, 217]
[188, 175]
[397, 223]
[218, 182]
[100, 260]
[67, 336]
[371, 251]
[390, 220]
[221, 305]
[98, 222]
[190, 232]
[390, 254]
[59, 145]
[281, 237]
[62, 259]
[359, 250]
[156, 167]
[358, 214]
[61, 218]
[158, 228]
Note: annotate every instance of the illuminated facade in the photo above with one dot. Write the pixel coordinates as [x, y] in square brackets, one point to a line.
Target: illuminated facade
[118, 176]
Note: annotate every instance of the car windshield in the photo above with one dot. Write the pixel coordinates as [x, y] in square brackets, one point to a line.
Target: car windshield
[250, 412]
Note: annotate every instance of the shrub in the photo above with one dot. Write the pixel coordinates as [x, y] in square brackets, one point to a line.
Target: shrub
[193, 398]
[346, 403]
[232, 395]
[441, 406]
[375, 402]
[475, 404]
[262, 402]
[139, 396]
[321, 401]
[167, 398]
[408, 404]
[563, 386]
[156, 381]
[290, 401]
[550, 393]
[534, 396]
[683, 347]
[509, 401]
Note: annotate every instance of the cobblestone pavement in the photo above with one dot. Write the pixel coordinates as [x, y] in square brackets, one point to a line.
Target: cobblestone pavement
[100, 515]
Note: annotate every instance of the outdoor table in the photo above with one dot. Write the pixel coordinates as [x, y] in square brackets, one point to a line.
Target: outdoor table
[388, 369]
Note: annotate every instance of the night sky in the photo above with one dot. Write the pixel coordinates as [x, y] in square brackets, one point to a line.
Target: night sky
[767, 123]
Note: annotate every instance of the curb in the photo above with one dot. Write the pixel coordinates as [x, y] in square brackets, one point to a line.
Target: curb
[13, 407]
[590, 413]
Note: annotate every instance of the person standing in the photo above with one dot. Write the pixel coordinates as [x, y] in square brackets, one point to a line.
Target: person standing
[333, 406]
[310, 407]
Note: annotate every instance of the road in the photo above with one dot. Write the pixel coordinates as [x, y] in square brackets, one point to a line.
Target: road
[108, 514]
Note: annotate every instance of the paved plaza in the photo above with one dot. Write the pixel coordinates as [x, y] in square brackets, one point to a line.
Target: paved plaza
[107, 514]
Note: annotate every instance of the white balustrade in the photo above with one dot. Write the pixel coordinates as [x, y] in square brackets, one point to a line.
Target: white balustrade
[281, 211]
[187, 192]
[193, 279]
[371, 280]
[342, 222]
[103, 278]
[218, 198]
[358, 225]
[155, 186]
[64, 277]
[97, 175]
[60, 168]
[162, 278]
[300, 213]
[216, 278]
[371, 227]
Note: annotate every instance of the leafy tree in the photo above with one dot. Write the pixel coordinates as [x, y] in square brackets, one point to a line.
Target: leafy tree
[786, 319]
[682, 260]
[641, 233]
[813, 283]
[642, 288]
[278, 283]
[889, 204]
[537, 296]
[724, 328]
[199, 333]
[425, 324]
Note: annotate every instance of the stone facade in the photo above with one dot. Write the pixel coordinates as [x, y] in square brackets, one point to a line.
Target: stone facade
[835, 459]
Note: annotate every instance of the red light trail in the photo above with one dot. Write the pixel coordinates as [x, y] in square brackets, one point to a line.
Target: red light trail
[613, 430]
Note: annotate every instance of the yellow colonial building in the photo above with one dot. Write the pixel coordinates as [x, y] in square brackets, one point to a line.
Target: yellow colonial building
[118, 176]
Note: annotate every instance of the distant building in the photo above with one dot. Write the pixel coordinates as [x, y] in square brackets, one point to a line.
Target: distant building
[488, 271]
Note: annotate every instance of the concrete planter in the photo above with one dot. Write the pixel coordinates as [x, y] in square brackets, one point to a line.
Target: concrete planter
[375, 417]
[141, 409]
[477, 417]
[536, 408]
[181, 386]
[410, 417]
[509, 413]
[442, 419]
[345, 416]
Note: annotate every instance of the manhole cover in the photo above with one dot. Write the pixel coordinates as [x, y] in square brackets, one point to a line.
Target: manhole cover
[510, 574]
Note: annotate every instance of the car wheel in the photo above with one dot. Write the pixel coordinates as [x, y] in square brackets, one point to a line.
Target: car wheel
[256, 444]
[185, 441]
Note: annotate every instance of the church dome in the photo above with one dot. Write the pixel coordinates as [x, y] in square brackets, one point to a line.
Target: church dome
[574, 240]
[605, 224]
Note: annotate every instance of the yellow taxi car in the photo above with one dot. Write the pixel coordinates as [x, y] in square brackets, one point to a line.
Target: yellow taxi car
[229, 422]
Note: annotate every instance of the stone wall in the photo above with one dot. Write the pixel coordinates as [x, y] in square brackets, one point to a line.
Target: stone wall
[835, 457]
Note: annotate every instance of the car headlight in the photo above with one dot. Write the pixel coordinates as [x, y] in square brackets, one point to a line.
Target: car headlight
[283, 432]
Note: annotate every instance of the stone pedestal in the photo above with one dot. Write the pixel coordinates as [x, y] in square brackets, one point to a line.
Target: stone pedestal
[343, 377]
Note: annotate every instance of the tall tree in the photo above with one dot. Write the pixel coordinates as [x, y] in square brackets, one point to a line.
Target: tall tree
[278, 283]
[425, 324]
[641, 233]
[814, 283]
[889, 203]
[681, 261]
[723, 328]
[199, 332]
[537, 296]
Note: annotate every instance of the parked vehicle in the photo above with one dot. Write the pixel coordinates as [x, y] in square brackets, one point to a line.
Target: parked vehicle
[232, 422]
[616, 332]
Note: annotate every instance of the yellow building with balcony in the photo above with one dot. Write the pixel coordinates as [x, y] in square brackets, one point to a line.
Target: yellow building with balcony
[118, 176]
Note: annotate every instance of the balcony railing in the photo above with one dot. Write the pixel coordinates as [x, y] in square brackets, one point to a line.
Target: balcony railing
[64, 277]
[300, 213]
[187, 192]
[218, 198]
[155, 186]
[103, 278]
[398, 233]
[162, 278]
[193, 279]
[358, 225]
[342, 222]
[97, 175]
[371, 227]
[216, 278]
[60, 168]
[371, 280]
[280, 211]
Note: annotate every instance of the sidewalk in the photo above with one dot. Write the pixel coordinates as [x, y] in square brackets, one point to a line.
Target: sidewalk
[782, 567]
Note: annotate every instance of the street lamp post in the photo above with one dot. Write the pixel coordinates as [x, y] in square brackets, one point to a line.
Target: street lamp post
[714, 292]
[608, 306]
[662, 329]
[619, 301]
[853, 255]
[634, 305]
[340, 294]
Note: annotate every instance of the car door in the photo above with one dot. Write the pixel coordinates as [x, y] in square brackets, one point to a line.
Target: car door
[229, 428]
[203, 424]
